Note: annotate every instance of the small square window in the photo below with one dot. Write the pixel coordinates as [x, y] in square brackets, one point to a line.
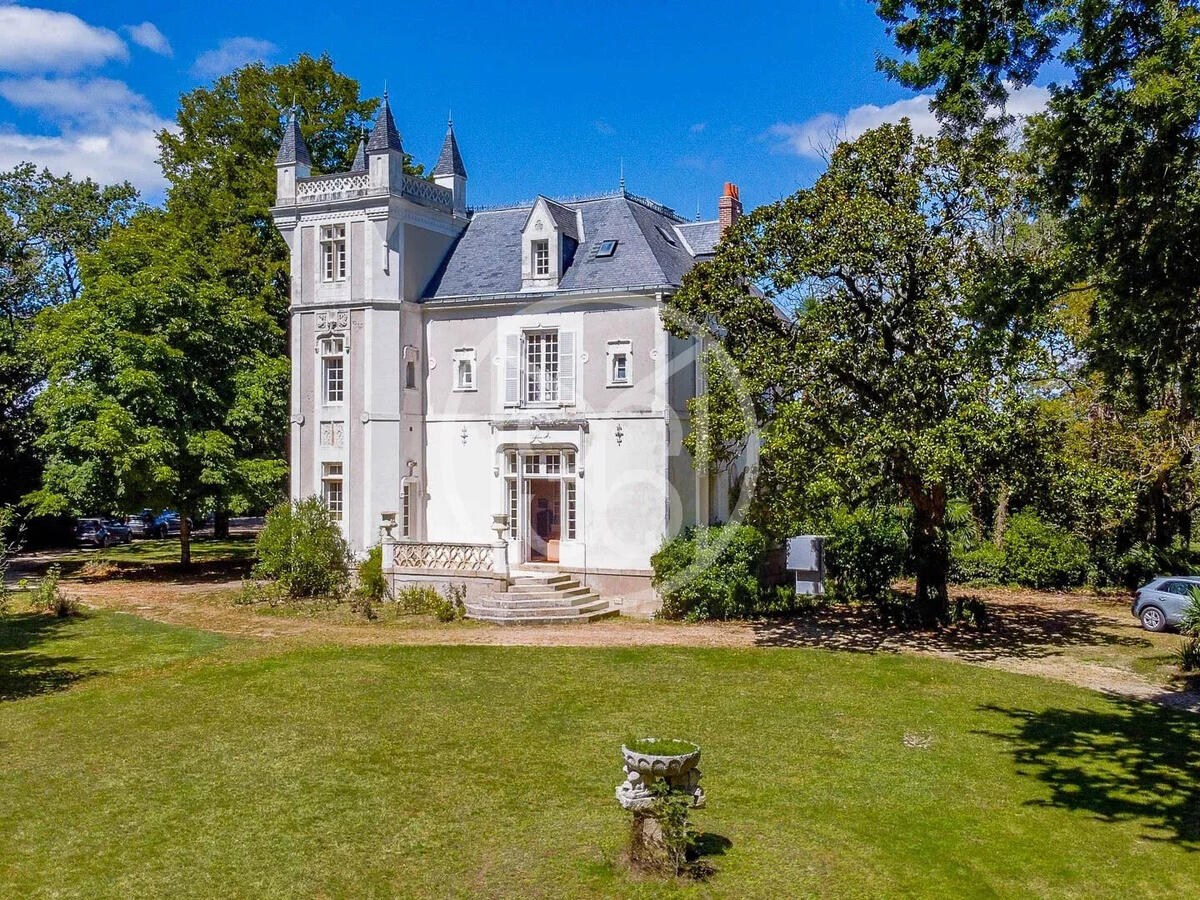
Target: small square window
[620, 358]
[607, 248]
[464, 369]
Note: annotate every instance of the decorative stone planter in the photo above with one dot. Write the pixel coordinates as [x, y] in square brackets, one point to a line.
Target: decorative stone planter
[643, 768]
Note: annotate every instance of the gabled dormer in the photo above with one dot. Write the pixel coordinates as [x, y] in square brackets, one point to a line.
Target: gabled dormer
[549, 239]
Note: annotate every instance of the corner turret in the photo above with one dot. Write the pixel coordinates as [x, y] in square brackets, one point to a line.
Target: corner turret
[292, 161]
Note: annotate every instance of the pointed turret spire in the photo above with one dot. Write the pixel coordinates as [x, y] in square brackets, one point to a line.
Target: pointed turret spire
[292, 149]
[385, 136]
[450, 160]
[360, 158]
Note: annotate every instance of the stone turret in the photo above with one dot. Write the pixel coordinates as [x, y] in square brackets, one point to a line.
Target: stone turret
[450, 172]
[385, 155]
[292, 161]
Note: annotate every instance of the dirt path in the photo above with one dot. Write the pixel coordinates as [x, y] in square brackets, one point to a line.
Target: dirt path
[1091, 642]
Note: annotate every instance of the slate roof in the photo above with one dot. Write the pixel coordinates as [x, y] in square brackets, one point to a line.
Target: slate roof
[702, 236]
[360, 159]
[486, 258]
[292, 148]
[450, 161]
[564, 217]
[384, 135]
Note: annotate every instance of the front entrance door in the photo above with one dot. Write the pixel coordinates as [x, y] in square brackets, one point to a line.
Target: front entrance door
[545, 518]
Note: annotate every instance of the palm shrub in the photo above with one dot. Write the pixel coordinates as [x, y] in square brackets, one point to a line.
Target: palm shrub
[711, 573]
[302, 549]
[1188, 655]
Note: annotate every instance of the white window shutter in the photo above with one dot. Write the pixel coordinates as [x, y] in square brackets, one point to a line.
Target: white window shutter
[566, 368]
[512, 370]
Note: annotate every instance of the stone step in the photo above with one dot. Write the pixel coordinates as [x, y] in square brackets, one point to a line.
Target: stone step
[523, 612]
[504, 601]
[573, 591]
[575, 618]
[541, 579]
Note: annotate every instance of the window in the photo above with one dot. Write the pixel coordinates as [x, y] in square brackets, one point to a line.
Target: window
[331, 489]
[541, 367]
[607, 248]
[513, 508]
[569, 490]
[333, 252]
[619, 353]
[464, 369]
[333, 371]
[541, 258]
[666, 235]
[410, 375]
[557, 465]
[406, 509]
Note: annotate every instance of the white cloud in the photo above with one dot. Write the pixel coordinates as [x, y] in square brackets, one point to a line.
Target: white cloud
[42, 40]
[229, 54]
[698, 127]
[105, 131]
[814, 137]
[75, 100]
[147, 35]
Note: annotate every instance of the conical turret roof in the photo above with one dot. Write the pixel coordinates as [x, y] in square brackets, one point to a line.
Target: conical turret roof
[292, 148]
[450, 161]
[384, 136]
[360, 158]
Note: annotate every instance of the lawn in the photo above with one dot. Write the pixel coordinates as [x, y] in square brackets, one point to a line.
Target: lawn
[173, 763]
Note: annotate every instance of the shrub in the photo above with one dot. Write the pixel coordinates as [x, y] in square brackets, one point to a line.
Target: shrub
[302, 548]
[1143, 562]
[421, 599]
[1188, 654]
[711, 573]
[371, 583]
[864, 553]
[979, 565]
[1040, 555]
[49, 598]
[9, 541]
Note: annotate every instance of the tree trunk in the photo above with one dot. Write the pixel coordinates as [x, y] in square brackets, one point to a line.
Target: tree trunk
[931, 556]
[1000, 520]
[221, 524]
[1160, 505]
[185, 539]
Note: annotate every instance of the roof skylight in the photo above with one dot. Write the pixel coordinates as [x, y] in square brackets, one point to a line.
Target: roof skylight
[667, 236]
[606, 248]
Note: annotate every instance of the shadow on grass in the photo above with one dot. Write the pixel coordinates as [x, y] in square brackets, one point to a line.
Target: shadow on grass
[1138, 763]
[25, 671]
[1022, 629]
[150, 560]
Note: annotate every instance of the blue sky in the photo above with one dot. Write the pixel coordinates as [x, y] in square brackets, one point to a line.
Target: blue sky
[547, 98]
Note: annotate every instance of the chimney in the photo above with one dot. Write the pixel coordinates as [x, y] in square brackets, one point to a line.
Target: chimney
[729, 206]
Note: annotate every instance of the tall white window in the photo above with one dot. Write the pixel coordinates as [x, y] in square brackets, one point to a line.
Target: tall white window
[541, 258]
[333, 252]
[619, 355]
[333, 369]
[541, 367]
[464, 369]
[331, 488]
[406, 517]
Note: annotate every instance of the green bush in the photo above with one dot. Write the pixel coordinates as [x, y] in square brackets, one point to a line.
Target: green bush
[421, 599]
[712, 573]
[49, 598]
[1188, 654]
[864, 553]
[371, 583]
[1040, 555]
[979, 565]
[301, 547]
[1143, 562]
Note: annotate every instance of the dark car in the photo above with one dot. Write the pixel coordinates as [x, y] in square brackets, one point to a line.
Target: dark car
[141, 525]
[101, 532]
[166, 524]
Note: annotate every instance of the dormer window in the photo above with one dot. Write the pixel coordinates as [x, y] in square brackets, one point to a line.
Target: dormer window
[333, 252]
[541, 258]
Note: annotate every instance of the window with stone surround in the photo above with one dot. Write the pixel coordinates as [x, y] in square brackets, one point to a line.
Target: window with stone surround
[331, 489]
[333, 252]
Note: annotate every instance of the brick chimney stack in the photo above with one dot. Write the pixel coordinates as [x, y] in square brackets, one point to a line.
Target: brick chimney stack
[729, 206]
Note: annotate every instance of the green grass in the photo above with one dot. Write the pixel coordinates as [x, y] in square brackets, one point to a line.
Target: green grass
[175, 764]
[167, 551]
[659, 746]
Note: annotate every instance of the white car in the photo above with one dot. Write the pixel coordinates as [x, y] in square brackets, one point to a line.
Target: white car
[1161, 602]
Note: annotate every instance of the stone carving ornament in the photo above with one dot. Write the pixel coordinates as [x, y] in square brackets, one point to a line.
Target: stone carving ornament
[679, 771]
[333, 320]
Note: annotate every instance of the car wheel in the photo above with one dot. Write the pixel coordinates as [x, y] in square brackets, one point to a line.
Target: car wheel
[1153, 619]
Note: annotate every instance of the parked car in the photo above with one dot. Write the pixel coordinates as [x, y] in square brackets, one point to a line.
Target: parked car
[166, 524]
[141, 525]
[1160, 603]
[102, 532]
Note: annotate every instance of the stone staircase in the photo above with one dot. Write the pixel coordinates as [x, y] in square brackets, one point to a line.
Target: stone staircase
[542, 598]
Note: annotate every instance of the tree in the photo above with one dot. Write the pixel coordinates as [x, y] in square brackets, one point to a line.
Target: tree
[47, 223]
[1117, 157]
[168, 376]
[889, 376]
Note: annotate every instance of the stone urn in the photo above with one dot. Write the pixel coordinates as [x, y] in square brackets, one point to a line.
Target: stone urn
[500, 525]
[675, 762]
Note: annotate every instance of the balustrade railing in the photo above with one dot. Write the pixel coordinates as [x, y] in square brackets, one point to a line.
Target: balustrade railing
[445, 556]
